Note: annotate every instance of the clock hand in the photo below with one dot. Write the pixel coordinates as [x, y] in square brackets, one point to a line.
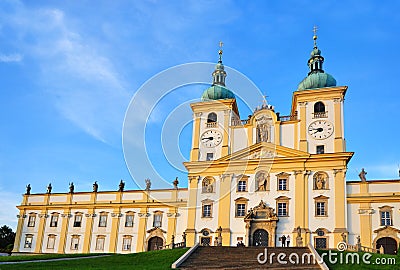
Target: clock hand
[208, 138]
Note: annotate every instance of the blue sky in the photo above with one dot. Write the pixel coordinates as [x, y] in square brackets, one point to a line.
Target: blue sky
[69, 70]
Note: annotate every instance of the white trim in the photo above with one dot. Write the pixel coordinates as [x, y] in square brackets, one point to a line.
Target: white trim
[322, 265]
[184, 257]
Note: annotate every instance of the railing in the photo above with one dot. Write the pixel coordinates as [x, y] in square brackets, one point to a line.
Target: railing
[320, 115]
[358, 247]
[173, 244]
[211, 124]
[286, 118]
[238, 122]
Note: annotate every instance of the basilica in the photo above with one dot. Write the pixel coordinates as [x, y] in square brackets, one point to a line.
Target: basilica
[267, 180]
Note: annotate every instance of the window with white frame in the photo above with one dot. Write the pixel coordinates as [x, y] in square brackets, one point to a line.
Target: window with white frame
[103, 220]
[206, 210]
[100, 242]
[240, 209]
[129, 220]
[28, 241]
[157, 221]
[78, 220]
[282, 209]
[282, 181]
[282, 184]
[242, 185]
[321, 206]
[75, 242]
[31, 220]
[321, 209]
[54, 220]
[386, 215]
[51, 241]
[126, 243]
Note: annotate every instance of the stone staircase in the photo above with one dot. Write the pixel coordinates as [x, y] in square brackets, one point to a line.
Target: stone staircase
[245, 258]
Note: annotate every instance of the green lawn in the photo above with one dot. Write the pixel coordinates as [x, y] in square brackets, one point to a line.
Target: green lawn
[41, 257]
[152, 260]
[377, 261]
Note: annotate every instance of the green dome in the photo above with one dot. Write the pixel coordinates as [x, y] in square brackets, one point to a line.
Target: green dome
[217, 92]
[317, 80]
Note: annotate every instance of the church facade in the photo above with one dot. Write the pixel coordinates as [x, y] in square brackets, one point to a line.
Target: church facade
[268, 180]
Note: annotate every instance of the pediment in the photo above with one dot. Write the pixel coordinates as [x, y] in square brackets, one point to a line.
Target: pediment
[156, 230]
[264, 150]
[388, 230]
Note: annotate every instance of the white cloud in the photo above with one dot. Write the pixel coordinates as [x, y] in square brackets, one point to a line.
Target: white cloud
[15, 57]
[8, 211]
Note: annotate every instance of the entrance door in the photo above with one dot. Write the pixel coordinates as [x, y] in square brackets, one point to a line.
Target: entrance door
[389, 245]
[260, 238]
[155, 243]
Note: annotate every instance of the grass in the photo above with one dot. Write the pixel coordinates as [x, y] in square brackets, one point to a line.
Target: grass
[152, 260]
[20, 258]
[374, 260]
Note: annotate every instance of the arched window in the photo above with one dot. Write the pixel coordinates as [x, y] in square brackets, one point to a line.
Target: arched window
[212, 118]
[319, 107]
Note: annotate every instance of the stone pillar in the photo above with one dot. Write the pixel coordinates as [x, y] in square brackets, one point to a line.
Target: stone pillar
[192, 209]
[194, 153]
[64, 230]
[303, 129]
[20, 226]
[224, 206]
[115, 217]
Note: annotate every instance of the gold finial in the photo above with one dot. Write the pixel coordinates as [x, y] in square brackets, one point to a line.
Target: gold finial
[221, 44]
[315, 28]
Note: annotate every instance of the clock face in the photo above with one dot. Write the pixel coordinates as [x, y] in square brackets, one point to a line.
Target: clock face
[320, 129]
[211, 138]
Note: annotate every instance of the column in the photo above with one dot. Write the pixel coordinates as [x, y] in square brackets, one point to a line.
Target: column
[301, 216]
[225, 139]
[224, 208]
[115, 217]
[194, 153]
[172, 214]
[18, 234]
[340, 205]
[140, 245]
[64, 230]
[88, 231]
[303, 129]
[339, 140]
[41, 229]
[192, 207]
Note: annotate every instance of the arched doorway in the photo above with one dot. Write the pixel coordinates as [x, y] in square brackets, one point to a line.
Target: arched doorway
[155, 243]
[260, 238]
[389, 245]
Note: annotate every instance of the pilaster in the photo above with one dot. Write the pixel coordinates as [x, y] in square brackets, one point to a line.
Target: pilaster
[194, 153]
[88, 231]
[339, 140]
[303, 129]
[224, 206]
[41, 228]
[192, 208]
[115, 216]
[17, 241]
[64, 230]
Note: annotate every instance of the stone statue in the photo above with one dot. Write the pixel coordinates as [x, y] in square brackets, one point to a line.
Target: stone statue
[320, 181]
[71, 187]
[362, 175]
[28, 189]
[184, 238]
[298, 230]
[219, 238]
[95, 186]
[49, 188]
[176, 182]
[121, 186]
[344, 237]
[262, 133]
[261, 182]
[207, 186]
[358, 239]
[299, 239]
[148, 184]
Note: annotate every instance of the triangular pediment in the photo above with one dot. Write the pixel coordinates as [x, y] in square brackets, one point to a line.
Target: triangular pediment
[264, 150]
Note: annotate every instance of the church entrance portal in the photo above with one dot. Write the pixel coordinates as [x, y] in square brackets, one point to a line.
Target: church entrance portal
[260, 238]
[155, 243]
[389, 245]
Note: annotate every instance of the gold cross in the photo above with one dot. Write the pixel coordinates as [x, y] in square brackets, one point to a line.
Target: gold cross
[315, 28]
[221, 44]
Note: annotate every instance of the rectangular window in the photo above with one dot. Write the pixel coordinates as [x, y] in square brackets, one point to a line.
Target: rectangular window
[31, 221]
[207, 210]
[54, 221]
[386, 219]
[78, 221]
[50, 241]
[282, 184]
[210, 156]
[157, 220]
[103, 220]
[320, 209]
[129, 220]
[74, 243]
[240, 210]
[320, 243]
[28, 241]
[320, 149]
[126, 243]
[100, 243]
[242, 186]
[282, 209]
